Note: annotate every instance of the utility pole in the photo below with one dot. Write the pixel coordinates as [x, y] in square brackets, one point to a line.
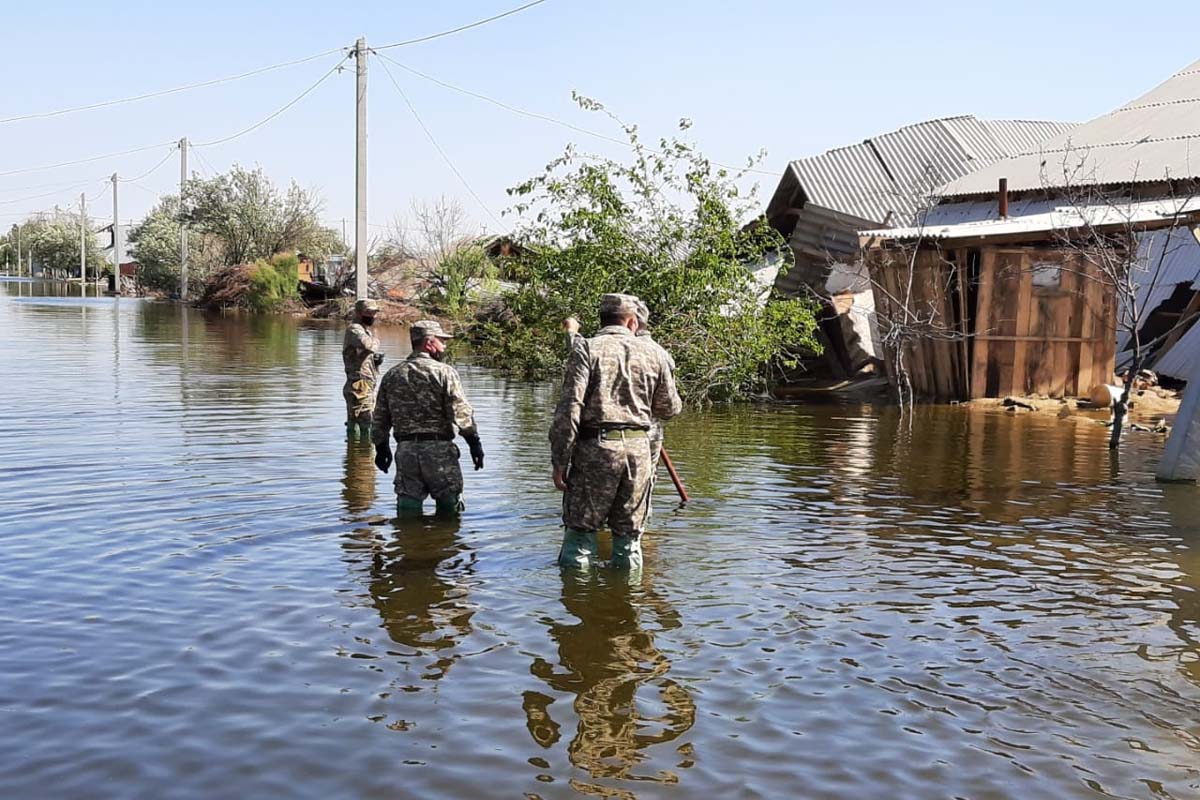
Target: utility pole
[17, 228]
[116, 242]
[183, 232]
[83, 232]
[360, 172]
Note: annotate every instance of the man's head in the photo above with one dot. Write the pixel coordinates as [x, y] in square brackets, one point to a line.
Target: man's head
[428, 337]
[365, 311]
[619, 309]
[643, 316]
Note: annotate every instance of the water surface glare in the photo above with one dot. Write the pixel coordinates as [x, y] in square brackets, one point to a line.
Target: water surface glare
[202, 594]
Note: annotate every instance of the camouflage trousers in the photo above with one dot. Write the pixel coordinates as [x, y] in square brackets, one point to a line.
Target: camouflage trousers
[609, 485]
[360, 400]
[428, 469]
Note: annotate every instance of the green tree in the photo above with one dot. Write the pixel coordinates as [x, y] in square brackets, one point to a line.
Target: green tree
[664, 225]
[53, 238]
[233, 218]
[154, 244]
[274, 282]
[253, 219]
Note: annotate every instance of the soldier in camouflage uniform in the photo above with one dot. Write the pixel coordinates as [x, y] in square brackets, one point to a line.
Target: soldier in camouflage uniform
[361, 358]
[422, 400]
[656, 428]
[613, 391]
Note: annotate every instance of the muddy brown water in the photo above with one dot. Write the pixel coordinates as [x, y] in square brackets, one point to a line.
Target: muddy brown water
[202, 594]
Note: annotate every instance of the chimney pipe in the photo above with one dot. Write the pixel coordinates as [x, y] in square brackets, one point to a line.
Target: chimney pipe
[1003, 198]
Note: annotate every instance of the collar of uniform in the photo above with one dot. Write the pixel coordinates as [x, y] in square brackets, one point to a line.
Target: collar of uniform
[614, 330]
[419, 354]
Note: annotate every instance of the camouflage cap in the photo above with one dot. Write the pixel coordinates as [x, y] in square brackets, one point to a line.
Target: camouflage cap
[425, 328]
[366, 306]
[642, 312]
[618, 304]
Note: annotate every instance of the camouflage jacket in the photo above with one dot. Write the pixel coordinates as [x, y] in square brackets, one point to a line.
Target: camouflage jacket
[359, 347]
[421, 395]
[618, 379]
[577, 340]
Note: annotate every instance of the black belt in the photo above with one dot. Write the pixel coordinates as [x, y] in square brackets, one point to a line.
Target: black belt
[598, 433]
[425, 437]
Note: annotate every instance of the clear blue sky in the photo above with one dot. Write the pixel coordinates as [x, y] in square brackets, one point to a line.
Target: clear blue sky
[794, 78]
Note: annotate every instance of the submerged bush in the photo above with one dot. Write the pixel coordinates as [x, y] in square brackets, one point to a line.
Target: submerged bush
[665, 227]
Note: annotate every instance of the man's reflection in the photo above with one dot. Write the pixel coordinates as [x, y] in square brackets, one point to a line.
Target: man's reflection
[1183, 505]
[419, 578]
[358, 485]
[605, 658]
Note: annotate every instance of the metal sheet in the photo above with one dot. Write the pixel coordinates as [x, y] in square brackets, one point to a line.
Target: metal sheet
[1154, 136]
[898, 172]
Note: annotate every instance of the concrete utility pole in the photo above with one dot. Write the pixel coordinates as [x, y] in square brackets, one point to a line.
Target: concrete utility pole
[183, 232]
[116, 242]
[83, 232]
[360, 172]
[17, 228]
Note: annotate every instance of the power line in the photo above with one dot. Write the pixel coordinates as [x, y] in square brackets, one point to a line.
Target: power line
[204, 163]
[46, 194]
[438, 147]
[267, 119]
[90, 160]
[461, 28]
[152, 170]
[163, 92]
[543, 117]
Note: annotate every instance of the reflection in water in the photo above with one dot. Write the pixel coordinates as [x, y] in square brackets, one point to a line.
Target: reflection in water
[959, 604]
[610, 663]
[358, 484]
[419, 578]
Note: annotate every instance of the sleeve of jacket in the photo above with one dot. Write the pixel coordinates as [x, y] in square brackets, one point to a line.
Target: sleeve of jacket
[381, 419]
[565, 427]
[665, 403]
[457, 407]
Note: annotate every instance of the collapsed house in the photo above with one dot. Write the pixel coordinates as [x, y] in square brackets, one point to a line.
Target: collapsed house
[822, 202]
[997, 288]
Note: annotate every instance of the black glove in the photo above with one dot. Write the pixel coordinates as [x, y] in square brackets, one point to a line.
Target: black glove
[476, 447]
[378, 359]
[383, 456]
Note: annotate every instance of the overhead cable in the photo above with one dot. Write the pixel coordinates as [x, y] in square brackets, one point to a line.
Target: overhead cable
[461, 28]
[163, 92]
[272, 116]
[89, 160]
[47, 194]
[152, 170]
[543, 117]
[438, 147]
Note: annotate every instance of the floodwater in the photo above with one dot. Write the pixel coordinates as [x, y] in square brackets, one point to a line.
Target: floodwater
[202, 594]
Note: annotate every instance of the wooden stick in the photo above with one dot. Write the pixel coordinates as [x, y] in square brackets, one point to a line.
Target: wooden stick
[666, 460]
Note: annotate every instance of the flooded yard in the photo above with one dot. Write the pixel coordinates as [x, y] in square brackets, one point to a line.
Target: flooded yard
[203, 593]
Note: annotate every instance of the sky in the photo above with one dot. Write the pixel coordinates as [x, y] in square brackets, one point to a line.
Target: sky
[792, 78]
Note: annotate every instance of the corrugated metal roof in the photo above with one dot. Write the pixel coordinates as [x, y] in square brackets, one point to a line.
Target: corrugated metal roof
[1180, 361]
[1141, 212]
[895, 172]
[1166, 259]
[1155, 135]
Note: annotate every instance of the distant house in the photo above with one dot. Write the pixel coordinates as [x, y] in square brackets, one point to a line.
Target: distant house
[823, 201]
[994, 259]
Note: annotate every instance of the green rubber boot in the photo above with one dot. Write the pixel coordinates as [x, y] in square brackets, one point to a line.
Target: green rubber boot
[364, 432]
[449, 506]
[578, 549]
[626, 552]
[351, 431]
[408, 507]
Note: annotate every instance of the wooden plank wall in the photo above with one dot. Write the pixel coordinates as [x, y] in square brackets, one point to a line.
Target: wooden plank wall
[931, 307]
[1041, 340]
